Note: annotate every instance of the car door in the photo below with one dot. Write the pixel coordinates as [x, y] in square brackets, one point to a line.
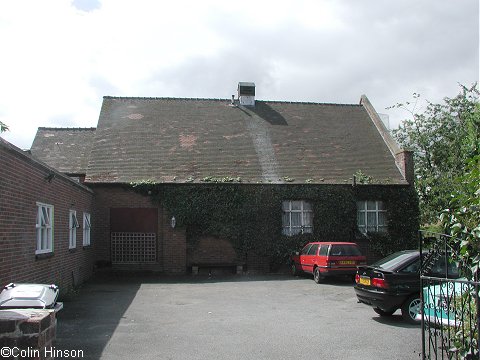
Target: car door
[309, 258]
[407, 279]
[303, 256]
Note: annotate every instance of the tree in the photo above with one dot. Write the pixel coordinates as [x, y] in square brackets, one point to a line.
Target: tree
[442, 138]
[462, 218]
[3, 127]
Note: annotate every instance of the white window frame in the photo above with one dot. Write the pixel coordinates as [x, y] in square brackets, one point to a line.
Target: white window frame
[86, 229]
[306, 207]
[363, 211]
[72, 229]
[44, 226]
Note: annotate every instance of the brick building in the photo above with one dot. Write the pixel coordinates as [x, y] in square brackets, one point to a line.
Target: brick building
[44, 222]
[211, 144]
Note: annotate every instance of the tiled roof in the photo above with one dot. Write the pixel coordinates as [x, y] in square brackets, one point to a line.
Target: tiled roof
[204, 140]
[65, 149]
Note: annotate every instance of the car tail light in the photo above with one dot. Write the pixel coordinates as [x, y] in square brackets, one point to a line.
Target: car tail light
[380, 283]
[357, 278]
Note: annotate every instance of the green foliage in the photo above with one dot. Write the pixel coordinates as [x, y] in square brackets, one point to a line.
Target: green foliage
[465, 334]
[403, 217]
[3, 127]
[442, 137]
[462, 218]
[250, 215]
[381, 243]
[362, 178]
[286, 245]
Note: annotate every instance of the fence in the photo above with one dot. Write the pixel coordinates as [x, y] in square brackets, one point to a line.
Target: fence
[133, 248]
[450, 304]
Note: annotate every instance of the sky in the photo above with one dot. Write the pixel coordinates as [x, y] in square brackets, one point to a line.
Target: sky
[60, 57]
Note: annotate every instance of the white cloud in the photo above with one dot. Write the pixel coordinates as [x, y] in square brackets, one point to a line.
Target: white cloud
[60, 57]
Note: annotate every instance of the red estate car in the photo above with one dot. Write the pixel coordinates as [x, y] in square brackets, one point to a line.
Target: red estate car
[324, 259]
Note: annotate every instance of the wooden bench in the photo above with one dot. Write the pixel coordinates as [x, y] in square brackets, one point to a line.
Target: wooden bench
[238, 267]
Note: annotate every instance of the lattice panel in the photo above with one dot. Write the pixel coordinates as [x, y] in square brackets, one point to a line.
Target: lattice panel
[133, 248]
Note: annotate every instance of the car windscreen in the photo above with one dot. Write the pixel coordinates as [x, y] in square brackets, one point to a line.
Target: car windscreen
[391, 262]
[344, 250]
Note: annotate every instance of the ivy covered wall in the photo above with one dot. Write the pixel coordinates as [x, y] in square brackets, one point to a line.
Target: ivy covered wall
[250, 215]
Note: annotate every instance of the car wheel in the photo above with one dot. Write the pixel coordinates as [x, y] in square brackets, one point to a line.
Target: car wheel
[317, 276]
[294, 269]
[382, 312]
[411, 308]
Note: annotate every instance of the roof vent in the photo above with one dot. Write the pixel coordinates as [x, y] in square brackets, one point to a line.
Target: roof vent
[246, 93]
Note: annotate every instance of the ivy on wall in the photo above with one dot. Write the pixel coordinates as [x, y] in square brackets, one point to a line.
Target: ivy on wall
[250, 215]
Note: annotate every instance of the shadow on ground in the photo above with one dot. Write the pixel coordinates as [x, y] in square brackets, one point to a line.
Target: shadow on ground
[93, 315]
[394, 320]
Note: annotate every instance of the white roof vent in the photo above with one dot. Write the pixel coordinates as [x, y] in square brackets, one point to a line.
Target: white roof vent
[246, 93]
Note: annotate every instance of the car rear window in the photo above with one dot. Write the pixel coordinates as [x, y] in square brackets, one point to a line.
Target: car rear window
[391, 262]
[344, 250]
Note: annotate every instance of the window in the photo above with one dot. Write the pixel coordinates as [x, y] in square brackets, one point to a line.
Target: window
[324, 250]
[371, 216]
[313, 250]
[44, 228]
[305, 249]
[412, 268]
[297, 217]
[86, 229]
[344, 250]
[72, 229]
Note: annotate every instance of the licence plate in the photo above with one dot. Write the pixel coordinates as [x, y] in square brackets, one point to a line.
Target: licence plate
[346, 262]
[364, 280]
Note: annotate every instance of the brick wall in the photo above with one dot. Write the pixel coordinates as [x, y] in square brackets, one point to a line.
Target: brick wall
[212, 250]
[171, 243]
[24, 182]
[27, 333]
[174, 246]
[112, 196]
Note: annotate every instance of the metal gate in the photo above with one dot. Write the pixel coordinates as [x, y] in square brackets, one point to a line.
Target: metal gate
[450, 304]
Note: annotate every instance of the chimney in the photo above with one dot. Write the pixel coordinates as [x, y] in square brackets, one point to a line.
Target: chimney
[404, 160]
[246, 93]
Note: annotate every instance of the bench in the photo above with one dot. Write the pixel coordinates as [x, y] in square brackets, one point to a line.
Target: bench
[238, 267]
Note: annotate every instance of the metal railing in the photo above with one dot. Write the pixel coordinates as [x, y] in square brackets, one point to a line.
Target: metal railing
[450, 303]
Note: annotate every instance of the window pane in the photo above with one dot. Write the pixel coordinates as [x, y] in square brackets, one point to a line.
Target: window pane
[296, 205]
[324, 250]
[305, 249]
[43, 216]
[296, 219]
[382, 229]
[371, 205]
[286, 205]
[44, 238]
[286, 219]
[295, 231]
[307, 219]
[382, 218]
[308, 230]
[39, 216]
[361, 218]
[381, 205]
[371, 221]
[87, 221]
[313, 250]
[361, 205]
[307, 206]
